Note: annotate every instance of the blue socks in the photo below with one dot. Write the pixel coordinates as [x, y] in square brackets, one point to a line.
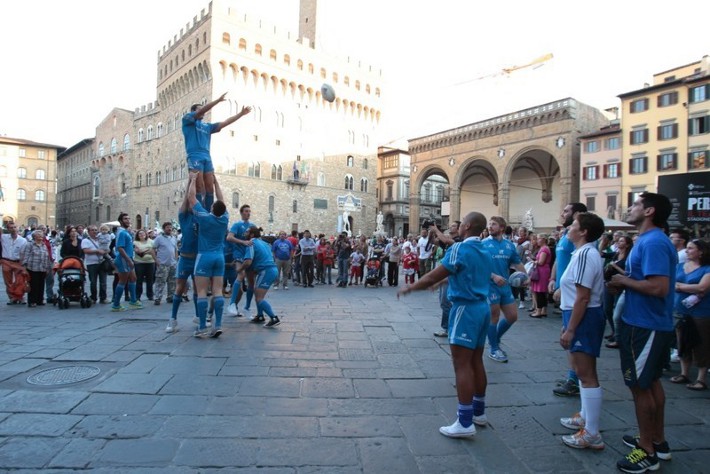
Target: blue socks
[250, 295]
[265, 307]
[465, 415]
[502, 328]
[177, 299]
[132, 291]
[479, 405]
[202, 311]
[218, 302]
[209, 200]
[572, 375]
[493, 337]
[117, 294]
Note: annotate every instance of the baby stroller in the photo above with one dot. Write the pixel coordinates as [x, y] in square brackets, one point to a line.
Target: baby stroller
[71, 275]
[372, 272]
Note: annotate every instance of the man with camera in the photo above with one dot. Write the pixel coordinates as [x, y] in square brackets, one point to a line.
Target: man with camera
[425, 245]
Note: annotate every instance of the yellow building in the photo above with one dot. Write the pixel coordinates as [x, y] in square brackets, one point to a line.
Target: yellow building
[600, 162]
[666, 128]
[28, 182]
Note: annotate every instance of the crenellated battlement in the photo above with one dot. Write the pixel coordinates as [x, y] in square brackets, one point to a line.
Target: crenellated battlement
[145, 110]
[189, 29]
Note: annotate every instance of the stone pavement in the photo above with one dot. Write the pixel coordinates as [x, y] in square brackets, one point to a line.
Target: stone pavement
[352, 381]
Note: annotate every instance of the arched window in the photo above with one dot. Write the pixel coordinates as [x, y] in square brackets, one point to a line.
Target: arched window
[299, 65]
[257, 49]
[273, 172]
[287, 60]
[350, 161]
[32, 222]
[257, 170]
[295, 206]
[40, 174]
[158, 175]
[349, 182]
[22, 173]
[321, 179]
[272, 203]
[243, 44]
[279, 173]
[390, 185]
[126, 142]
[139, 181]
[226, 39]
[235, 200]
[363, 185]
[97, 188]
[39, 195]
[150, 132]
[21, 194]
[101, 149]
[364, 163]
[149, 179]
[114, 146]
[272, 55]
[161, 130]
[141, 135]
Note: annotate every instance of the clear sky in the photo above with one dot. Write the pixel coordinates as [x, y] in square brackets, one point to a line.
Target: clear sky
[67, 63]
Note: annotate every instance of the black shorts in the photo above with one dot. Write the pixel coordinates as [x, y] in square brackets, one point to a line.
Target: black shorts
[643, 354]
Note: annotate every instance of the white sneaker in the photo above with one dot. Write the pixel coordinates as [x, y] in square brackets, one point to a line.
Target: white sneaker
[480, 420]
[574, 422]
[276, 287]
[232, 309]
[172, 326]
[498, 356]
[196, 320]
[457, 430]
[246, 313]
[521, 305]
[674, 356]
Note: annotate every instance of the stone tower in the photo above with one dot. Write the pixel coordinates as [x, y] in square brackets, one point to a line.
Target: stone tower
[308, 22]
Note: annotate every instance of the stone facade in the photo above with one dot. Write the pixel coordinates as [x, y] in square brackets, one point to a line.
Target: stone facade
[279, 76]
[28, 186]
[507, 165]
[74, 184]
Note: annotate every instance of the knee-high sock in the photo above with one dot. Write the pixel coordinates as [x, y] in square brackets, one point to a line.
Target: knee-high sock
[493, 337]
[465, 413]
[592, 400]
[218, 302]
[502, 327]
[250, 295]
[177, 299]
[132, 290]
[118, 294]
[202, 312]
[264, 306]
[209, 200]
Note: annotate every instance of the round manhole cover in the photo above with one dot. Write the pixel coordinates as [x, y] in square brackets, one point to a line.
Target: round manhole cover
[64, 375]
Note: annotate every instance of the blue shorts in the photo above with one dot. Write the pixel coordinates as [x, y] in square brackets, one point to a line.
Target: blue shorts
[643, 353]
[209, 265]
[468, 324]
[500, 295]
[200, 163]
[185, 268]
[589, 334]
[121, 265]
[230, 271]
[265, 278]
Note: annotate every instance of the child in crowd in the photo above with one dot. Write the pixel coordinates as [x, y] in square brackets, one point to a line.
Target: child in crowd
[356, 259]
[104, 239]
[410, 264]
[328, 260]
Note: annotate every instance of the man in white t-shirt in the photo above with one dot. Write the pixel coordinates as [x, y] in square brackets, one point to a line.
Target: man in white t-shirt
[424, 248]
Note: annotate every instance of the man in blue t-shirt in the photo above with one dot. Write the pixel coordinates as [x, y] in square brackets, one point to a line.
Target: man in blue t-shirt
[646, 327]
[209, 265]
[468, 267]
[197, 136]
[186, 259]
[505, 256]
[125, 266]
[569, 386]
[238, 236]
[283, 252]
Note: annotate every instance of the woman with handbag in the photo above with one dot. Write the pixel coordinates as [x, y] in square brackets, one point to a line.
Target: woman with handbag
[35, 259]
[693, 302]
[539, 282]
[94, 257]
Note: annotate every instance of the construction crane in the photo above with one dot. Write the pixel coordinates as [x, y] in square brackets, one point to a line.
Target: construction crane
[506, 71]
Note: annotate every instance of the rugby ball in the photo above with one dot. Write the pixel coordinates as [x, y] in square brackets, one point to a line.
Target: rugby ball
[327, 92]
[518, 279]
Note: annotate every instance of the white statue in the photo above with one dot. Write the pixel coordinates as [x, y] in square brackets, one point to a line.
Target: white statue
[380, 220]
[529, 221]
[346, 222]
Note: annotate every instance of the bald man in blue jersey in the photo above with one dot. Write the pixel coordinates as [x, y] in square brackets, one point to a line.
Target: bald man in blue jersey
[209, 265]
[468, 267]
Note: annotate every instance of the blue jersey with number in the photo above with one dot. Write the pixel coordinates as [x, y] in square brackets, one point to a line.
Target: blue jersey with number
[211, 231]
[189, 229]
[197, 135]
[470, 266]
[124, 240]
[260, 255]
[239, 229]
[503, 254]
